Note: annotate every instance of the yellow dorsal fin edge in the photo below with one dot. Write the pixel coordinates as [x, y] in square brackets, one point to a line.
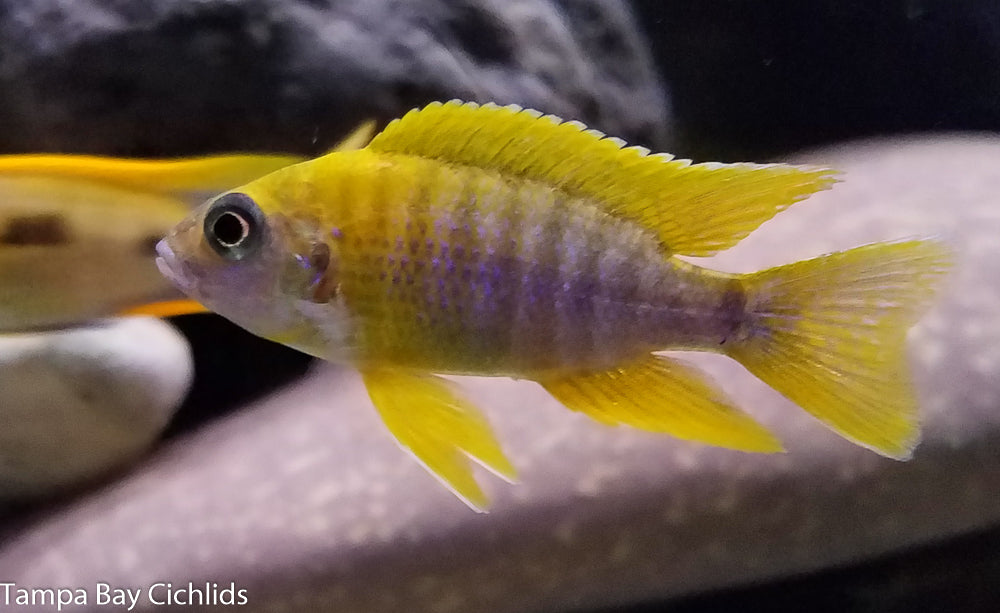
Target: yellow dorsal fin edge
[694, 209]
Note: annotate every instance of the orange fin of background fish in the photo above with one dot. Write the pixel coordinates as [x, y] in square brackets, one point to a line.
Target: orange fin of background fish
[695, 209]
[441, 429]
[661, 394]
[829, 333]
[166, 308]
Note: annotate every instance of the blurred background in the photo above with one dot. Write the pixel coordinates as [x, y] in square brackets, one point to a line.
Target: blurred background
[710, 80]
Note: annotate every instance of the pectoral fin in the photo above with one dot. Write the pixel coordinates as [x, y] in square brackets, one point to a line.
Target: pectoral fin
[442, 430]
[662, 394]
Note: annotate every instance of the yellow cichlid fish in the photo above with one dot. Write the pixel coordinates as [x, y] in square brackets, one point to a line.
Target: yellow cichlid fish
[483, 240]
[77, 232]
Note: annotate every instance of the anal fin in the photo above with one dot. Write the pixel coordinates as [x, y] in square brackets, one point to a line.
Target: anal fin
[440, 428]
[661, 394]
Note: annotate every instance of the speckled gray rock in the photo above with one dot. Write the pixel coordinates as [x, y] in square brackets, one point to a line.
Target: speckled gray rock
[171, 77]
[79, 403]
[304, 501]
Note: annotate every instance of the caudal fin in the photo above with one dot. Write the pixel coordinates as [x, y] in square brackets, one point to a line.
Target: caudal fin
[829, 333]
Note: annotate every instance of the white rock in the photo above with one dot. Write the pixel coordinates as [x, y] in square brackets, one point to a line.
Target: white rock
[75, 404]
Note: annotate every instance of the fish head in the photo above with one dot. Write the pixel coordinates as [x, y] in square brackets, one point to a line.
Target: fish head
[254, 268]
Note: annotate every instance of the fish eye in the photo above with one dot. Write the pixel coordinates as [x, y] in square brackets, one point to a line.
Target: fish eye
[234, 226]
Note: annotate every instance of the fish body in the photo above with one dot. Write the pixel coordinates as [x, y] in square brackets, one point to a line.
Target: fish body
[77, 232]
[495, 241]
[458, 270]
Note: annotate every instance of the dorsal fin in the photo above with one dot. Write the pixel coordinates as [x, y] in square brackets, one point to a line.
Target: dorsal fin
[695, 209]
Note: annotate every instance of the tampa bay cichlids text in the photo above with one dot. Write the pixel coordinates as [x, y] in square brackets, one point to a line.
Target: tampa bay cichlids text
[105, 594]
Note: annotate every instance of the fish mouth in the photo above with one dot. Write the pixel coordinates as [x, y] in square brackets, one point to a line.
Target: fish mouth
[172, 267]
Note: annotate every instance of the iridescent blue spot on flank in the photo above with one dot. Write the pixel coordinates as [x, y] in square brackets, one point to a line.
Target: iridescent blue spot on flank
[582, 299]
[442, 294]
[541, 285]
[337, 233]
[484, 281]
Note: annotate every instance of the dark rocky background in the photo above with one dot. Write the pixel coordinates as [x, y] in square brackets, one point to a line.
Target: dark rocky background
[711, 79]
[173, 77]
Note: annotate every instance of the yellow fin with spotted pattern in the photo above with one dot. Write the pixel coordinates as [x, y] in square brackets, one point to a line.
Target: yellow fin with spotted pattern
[830, 334]
[695, 209]
[661, 394]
